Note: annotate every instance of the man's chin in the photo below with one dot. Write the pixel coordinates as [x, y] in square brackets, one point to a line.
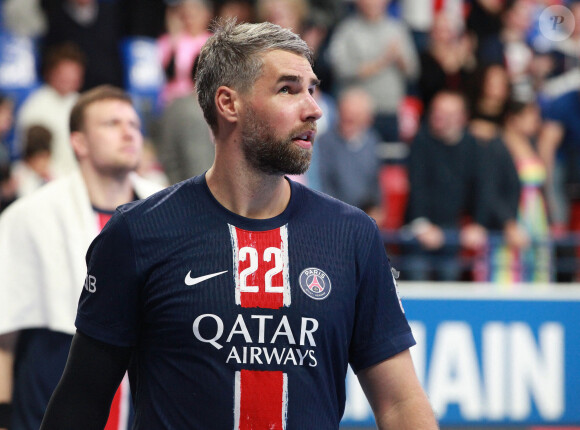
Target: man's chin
[284, 170]
[121, 171]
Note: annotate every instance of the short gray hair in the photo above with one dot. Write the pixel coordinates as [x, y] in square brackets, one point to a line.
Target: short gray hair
[232, 57]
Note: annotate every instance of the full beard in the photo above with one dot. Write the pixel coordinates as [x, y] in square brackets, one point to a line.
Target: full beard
[269, 154]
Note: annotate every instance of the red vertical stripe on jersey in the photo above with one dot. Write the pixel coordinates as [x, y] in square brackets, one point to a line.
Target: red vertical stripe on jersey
[261, 277]
[262, 401]
[261, 270]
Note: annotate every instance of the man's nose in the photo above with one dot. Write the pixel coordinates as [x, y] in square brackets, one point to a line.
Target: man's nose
[313, 112]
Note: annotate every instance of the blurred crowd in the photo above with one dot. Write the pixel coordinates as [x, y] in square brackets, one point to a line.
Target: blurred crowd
[453, 123]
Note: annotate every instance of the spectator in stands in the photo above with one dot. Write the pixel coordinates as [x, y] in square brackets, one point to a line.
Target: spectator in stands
[33, 170]
[565, 62]
[347, 154]
[330, 12]
[484, 19]
[489, 94]
[510, 48]
[449, 192]
[187, 31]
[43, 240]
[144, 17]
[502, 207]
[241, 10]
[97, 28]
[6, 125]
[448, 61]
[525, 256]
[51, 103]
[24, 18]
[420, 16]
[291, 14]
[377, 52]
[559, 148]
[184, 144]
[490, 98]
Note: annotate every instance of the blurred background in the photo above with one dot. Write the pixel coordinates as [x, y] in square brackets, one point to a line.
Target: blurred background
[455, 124]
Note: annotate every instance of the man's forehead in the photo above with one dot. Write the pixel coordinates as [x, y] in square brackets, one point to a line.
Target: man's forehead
[109, 108]
[106, 104]
[284, 66]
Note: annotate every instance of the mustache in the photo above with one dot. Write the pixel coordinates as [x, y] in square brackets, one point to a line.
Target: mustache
[309, 128]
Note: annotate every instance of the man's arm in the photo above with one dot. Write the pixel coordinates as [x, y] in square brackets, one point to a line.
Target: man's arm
[549, 140]
[83, 397]
[7, 348]
[396, 396]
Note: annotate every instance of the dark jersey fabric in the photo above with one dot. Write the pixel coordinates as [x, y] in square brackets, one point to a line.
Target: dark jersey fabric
[221, 309]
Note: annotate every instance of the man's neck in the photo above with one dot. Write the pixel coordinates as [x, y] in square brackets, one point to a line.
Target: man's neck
[248, 193]
[450, 139]
[108, 192]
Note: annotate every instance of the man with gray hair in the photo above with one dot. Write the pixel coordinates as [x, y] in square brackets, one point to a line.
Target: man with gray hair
[238, 298]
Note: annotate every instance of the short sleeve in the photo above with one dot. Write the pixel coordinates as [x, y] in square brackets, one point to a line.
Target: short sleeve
[109, 304]
[381, 329]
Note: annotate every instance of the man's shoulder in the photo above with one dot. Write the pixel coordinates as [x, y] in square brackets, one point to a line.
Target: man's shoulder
[328, 209]
[41, 99]
[41, 94]
[162, 201]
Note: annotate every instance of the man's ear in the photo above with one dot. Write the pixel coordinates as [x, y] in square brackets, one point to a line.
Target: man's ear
[79, 144]
[227, 103]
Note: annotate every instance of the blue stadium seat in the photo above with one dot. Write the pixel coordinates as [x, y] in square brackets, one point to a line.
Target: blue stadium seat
[18, 71]
[144, 77]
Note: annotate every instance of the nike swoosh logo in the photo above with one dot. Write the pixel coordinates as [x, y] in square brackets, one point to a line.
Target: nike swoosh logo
[192, 281]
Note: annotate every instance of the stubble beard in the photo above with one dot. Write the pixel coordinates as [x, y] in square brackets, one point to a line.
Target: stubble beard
[269, 154]
[118, 169]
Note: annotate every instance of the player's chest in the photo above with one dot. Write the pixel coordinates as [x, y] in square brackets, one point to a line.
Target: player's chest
[227, 270]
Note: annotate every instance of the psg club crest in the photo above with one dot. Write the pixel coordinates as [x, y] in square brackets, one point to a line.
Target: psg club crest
[315, 283]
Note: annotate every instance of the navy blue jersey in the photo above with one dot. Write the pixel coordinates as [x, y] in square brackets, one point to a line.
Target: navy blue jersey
[241, 323]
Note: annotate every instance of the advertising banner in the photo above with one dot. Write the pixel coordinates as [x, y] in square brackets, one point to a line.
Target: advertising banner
[489, 357]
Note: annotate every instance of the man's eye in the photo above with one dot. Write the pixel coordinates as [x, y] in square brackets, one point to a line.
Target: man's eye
[285, 90]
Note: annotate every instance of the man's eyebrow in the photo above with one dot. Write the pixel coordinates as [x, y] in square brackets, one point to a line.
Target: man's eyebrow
[295, 78]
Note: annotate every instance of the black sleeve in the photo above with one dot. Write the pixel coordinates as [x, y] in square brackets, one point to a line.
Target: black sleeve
[419, 169]
[84, 394]
[504, 187]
